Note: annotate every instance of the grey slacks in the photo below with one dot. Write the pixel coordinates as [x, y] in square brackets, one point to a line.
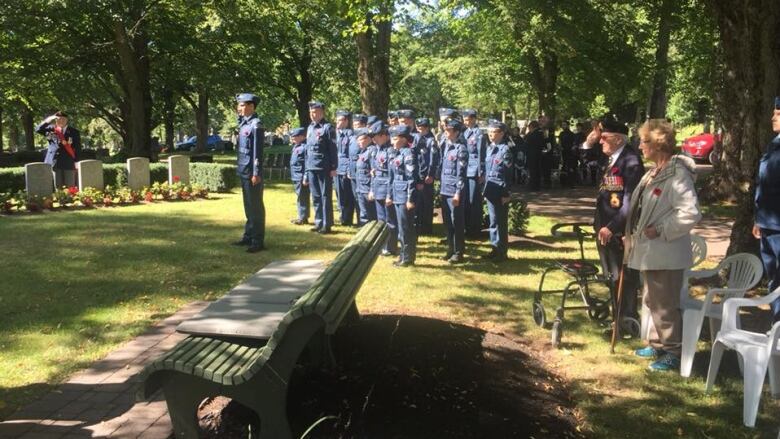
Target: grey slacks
[662, 297]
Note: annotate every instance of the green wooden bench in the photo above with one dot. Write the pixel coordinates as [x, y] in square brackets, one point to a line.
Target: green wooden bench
[256, 372]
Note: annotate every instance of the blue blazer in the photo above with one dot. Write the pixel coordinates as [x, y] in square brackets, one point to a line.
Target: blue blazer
[768, 188]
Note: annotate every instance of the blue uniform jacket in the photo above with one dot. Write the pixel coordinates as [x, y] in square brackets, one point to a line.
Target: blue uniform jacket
[56, 155]
[321, 151]
[768, 188]
[343, 140]
[354, 150]
[298, 162]
[380, 165]
[454, 162]
[404, 176]
[363, 170]
[498, 171]
[428, 156]
[617, 185]
[250, 147]
[476, 144]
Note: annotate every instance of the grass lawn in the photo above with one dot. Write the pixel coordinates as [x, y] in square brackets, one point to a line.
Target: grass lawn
[75, 285]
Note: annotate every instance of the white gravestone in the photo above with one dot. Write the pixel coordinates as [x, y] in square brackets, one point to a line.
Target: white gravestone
[138, 173]
[39, 180]
[90, 174]
[179, 166]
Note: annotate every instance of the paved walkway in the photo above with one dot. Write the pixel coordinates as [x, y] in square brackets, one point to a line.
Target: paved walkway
[99, 401]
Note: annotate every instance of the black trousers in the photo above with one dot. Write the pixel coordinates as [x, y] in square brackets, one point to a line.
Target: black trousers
[254, 209]
[611, 256]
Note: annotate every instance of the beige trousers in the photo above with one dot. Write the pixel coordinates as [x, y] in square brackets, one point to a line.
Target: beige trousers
[662, 297]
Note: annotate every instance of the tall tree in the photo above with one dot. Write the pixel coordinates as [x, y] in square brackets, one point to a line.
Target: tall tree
[666, 12]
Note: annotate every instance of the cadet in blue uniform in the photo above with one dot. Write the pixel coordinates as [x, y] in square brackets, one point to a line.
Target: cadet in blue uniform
[298, 174]
[358, 121]
[445, 114]
[250, 169]
[475, 144]
[392, 118]
[381, 155]
[64, 148]
[362, 176]
[767, 203]
[428, 160]
[455, 159]
[499, 167]
[321, 163]
[342, 183]
[403, 181]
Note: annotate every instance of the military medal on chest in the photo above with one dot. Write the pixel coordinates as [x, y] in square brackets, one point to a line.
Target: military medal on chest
[614, 200]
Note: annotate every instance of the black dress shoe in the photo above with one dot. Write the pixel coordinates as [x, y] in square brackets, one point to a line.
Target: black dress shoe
[325, 231]
[403, 264]
[491, 255]
[443, 241]
[455, 259]
[298, 222]
[241, 242]
[314, 229]
[255, 248]
[446, 257]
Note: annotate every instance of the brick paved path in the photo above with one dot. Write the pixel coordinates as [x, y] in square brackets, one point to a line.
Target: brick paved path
[100, 401]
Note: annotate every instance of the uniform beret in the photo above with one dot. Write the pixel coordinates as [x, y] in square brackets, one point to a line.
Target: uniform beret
[423, 122]
[62, 114]
[378, 127]
[392, 115]
[406, 113]
[297, 132]
[362, 132]
[371, 119]
[609, 125]
[455, 123]
[777, 102]
[401, 130]
[247, 97]
[343, 113]
[446, 112]
[469, 113]
[497, 124]
[361, 118]
[316, 104]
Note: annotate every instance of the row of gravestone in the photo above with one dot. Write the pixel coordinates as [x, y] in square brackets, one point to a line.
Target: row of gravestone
[39, 179]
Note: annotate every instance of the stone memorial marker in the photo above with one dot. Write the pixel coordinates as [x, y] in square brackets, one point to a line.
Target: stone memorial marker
[179, 166]
[39, 180]
[138, 173]
[90, 174]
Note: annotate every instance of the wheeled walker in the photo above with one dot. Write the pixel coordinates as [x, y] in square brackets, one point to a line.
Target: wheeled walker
[581, 273]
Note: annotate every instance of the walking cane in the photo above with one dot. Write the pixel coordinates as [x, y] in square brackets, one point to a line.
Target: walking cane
[618, 305]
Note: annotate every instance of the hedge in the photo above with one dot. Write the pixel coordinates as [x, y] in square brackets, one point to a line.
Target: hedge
[215, 177]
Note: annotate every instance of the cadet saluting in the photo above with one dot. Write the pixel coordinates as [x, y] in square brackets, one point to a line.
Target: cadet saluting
[498, 171]
[381, 155]
[454, 162]
[321, 162]
[403, 180]
[250, 169]
[298, 175]
[64, 148]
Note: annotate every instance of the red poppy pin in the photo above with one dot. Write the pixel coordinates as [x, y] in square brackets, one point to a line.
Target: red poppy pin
[397, 162]
[381, 159]
[614, 170]
[657, 192]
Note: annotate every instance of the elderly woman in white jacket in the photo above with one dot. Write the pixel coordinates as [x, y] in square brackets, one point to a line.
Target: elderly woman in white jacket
[664, 210]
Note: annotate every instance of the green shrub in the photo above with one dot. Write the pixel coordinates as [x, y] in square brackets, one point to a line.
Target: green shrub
[215, 177]
[518, 217]
[11, 179]
[115, 174]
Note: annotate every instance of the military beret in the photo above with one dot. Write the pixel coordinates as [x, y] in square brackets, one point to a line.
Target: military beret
[297, 132]
[362, 132]
[406, 113]
[343, 113]
[497, 124]
[423, 122]
[455, 123]
[247, 97]
[378, 127]
[62, 114]
[361, 118]
[609, 125]
[469, 113]
[316, 104]
[443, 111]
[401, 131]
[777, 103]
[371, 119]
[392, 115]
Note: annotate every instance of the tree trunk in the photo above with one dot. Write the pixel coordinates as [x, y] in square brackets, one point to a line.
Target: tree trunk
[658, 97]
[304, 92]
[544, 71]
[29, 129]
[201, 121]
[13, 134]
[134, 79]
[750, 40]
[169, 115]
[373, 47]
[1, 129]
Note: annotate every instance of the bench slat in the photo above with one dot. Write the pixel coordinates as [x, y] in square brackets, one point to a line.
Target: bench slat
[202, 363]
[225, 356]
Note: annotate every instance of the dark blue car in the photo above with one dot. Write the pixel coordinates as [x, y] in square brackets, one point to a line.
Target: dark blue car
[213, 143]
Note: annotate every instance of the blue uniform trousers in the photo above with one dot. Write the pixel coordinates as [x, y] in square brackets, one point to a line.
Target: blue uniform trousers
[320, 184]
[345, 198]
[472, 205]
[424, 210]
[254, 209]
[366, 209]
[499, 225]
[770, 255]
[454, 223]
[355, 196]
[387, 214]
[302, 201]
[407, 233]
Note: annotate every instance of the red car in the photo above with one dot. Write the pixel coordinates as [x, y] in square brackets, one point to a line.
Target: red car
[702, 147]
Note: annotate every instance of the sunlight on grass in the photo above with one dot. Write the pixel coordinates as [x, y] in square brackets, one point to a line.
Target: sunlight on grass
[78, 284]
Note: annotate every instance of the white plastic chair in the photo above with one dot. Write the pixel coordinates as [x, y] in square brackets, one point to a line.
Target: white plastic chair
[699, 248]
[744, 272]
[758, 352]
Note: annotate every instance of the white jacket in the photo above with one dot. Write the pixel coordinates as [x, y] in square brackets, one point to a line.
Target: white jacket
[669, 203]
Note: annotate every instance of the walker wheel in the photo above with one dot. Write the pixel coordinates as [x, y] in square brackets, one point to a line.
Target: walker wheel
[557, 333]
[630, 326]
[598, 309]
[540, 317]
